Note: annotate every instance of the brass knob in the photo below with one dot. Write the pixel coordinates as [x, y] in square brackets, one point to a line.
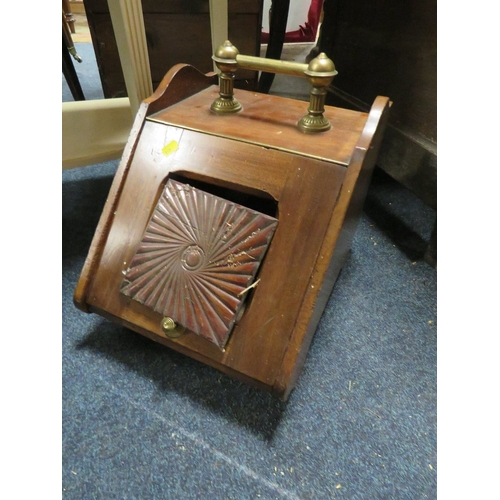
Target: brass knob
[171, 328]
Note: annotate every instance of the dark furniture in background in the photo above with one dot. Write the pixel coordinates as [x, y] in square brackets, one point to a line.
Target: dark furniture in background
[176, 31]
[390, 48]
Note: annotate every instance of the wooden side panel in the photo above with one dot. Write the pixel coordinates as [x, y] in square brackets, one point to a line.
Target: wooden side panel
[336, 244]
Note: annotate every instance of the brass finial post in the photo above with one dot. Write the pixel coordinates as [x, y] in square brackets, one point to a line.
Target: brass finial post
[320, 73]
[225, 59]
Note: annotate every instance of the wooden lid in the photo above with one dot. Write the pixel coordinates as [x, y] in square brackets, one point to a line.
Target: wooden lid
[270, 121]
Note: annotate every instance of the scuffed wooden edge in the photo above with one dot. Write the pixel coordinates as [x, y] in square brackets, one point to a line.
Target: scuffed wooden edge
[181, 82]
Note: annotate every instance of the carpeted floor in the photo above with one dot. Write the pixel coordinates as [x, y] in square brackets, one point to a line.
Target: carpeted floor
[143, 422]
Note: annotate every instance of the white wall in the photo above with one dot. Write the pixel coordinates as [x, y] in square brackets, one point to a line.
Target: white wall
[296, 16]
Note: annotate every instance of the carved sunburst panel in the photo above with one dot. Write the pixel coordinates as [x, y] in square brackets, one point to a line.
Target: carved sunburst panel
[198, 254]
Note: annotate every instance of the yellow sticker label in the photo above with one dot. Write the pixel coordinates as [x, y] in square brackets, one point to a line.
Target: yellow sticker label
[170, 148]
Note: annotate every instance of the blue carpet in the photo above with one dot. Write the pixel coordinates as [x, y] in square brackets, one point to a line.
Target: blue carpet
[143, 422]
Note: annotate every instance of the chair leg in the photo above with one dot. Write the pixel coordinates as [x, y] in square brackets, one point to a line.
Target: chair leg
[70, 18]
[69, 40]
[69, 73]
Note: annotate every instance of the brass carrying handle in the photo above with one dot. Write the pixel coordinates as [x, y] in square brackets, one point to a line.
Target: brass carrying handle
[320, 72]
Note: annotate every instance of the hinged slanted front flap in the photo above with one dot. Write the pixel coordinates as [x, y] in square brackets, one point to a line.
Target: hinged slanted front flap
[198, 256]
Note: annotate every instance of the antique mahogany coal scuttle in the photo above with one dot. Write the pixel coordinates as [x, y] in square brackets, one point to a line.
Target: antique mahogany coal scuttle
[230, 217]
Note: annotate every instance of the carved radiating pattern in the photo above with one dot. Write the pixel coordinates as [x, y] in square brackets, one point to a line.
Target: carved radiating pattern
[198, 253]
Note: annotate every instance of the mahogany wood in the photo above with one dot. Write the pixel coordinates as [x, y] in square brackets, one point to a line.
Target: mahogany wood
[317, 181]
